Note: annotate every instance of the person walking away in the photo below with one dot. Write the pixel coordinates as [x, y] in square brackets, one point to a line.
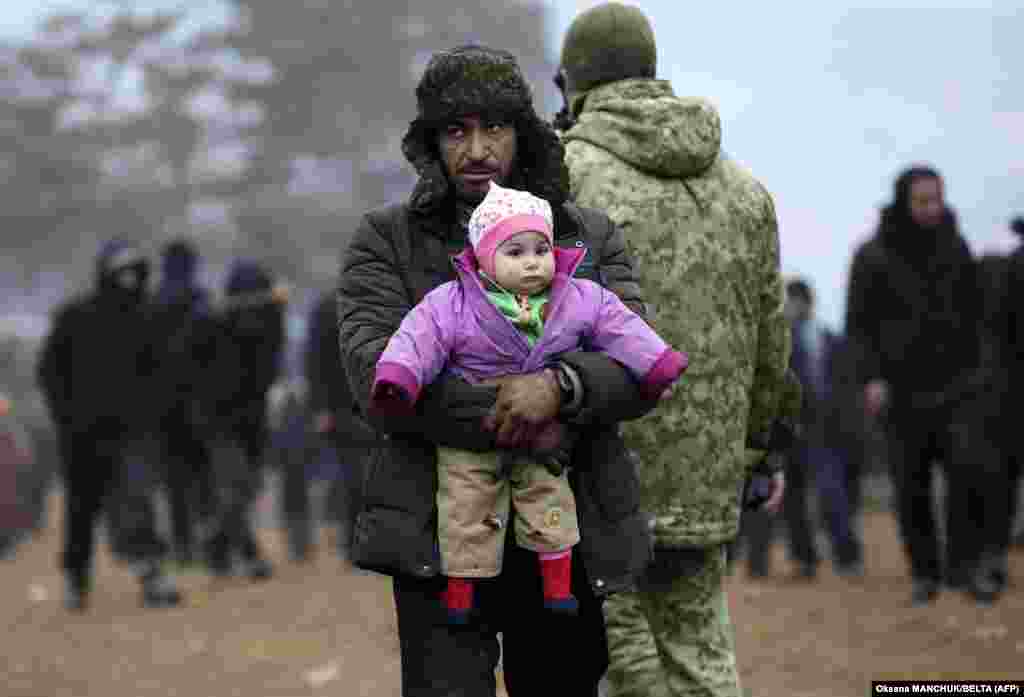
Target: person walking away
[704, 232]
[242, 355]
[96, 371]
[335, 418]
[181, 306]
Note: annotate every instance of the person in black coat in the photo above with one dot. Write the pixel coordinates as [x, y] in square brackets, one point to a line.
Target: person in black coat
[334, 415]
[476, 123]
[181, 307]
[96, 372]
[914, 323]
[820, 454]
[1003, 279]
[241, 354]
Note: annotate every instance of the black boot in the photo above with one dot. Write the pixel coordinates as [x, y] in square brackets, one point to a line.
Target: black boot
[982, 587]
[76, 590]
[158, 589]
[218, 555]
[925, 591]
[258, 569]
[299, 539]
[255, 565]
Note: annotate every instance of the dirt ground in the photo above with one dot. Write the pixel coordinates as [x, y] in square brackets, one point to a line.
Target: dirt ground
[324, 630]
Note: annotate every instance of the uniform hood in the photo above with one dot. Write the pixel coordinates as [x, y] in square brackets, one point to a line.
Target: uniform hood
[642, 122]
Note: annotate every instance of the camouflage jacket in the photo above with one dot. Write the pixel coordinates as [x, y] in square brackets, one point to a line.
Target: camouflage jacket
[704, 236]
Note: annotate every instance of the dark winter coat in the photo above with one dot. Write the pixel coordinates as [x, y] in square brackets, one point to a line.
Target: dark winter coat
[178, 320]
[397, 256]
[328, 386]
[1006, 340]
[240, 352]
[914, 314]
[97, 365]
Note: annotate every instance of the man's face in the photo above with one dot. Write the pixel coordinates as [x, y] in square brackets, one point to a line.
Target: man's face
[131, 279]
[476, 152]
[524, 263]
[927, 206]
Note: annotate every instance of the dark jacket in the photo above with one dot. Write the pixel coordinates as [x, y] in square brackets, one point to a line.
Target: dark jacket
[97, 365]
[1005, 345]
[1011, 316]
[240, 351]
[395, 258]
[328, 387]
[178, 319]
[813, 348]
[914, 314]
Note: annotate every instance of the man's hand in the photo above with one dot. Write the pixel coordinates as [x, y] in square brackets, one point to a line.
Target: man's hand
[774, 503]
[323, 422]
[876, 394]
[525, 403]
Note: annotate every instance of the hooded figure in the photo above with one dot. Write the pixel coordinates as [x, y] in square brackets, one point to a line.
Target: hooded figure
[475, 125]
[96, 372]
[181, 309]
[914, 320]
[240, 356]
[704, 232]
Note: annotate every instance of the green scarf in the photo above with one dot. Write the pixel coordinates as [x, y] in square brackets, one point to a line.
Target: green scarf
[523, 311]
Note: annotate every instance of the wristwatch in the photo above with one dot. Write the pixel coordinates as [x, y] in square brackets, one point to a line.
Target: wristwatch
[565, 386]
[570, 390]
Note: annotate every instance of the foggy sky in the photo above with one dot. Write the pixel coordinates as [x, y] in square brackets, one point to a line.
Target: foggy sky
[825, 103]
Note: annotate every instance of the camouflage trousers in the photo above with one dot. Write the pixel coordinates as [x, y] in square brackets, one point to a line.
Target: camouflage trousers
[674, 639]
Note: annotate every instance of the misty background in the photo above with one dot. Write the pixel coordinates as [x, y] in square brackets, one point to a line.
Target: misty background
[265, 129]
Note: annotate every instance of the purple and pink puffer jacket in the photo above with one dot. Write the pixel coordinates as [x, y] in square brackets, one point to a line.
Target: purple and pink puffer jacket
[456, 327]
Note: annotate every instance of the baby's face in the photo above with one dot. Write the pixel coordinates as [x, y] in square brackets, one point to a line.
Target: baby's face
[525, 263]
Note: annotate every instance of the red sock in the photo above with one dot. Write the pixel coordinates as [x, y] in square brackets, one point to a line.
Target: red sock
[556, 574]
[458, 596]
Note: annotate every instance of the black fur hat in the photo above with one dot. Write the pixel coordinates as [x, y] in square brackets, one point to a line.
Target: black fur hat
[475, 80]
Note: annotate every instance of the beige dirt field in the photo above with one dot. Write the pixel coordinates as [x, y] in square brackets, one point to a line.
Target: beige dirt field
[322, 629]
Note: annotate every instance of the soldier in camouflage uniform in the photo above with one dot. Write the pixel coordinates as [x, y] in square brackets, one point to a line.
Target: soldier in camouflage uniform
[704, 236]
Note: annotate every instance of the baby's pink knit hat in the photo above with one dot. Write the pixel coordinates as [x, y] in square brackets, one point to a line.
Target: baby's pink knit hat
[502, 214]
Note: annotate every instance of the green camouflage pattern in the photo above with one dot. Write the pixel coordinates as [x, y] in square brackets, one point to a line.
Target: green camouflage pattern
[704, 238]
[674, 642]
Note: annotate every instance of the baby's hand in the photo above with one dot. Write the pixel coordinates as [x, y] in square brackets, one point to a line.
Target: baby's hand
[668, 392]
